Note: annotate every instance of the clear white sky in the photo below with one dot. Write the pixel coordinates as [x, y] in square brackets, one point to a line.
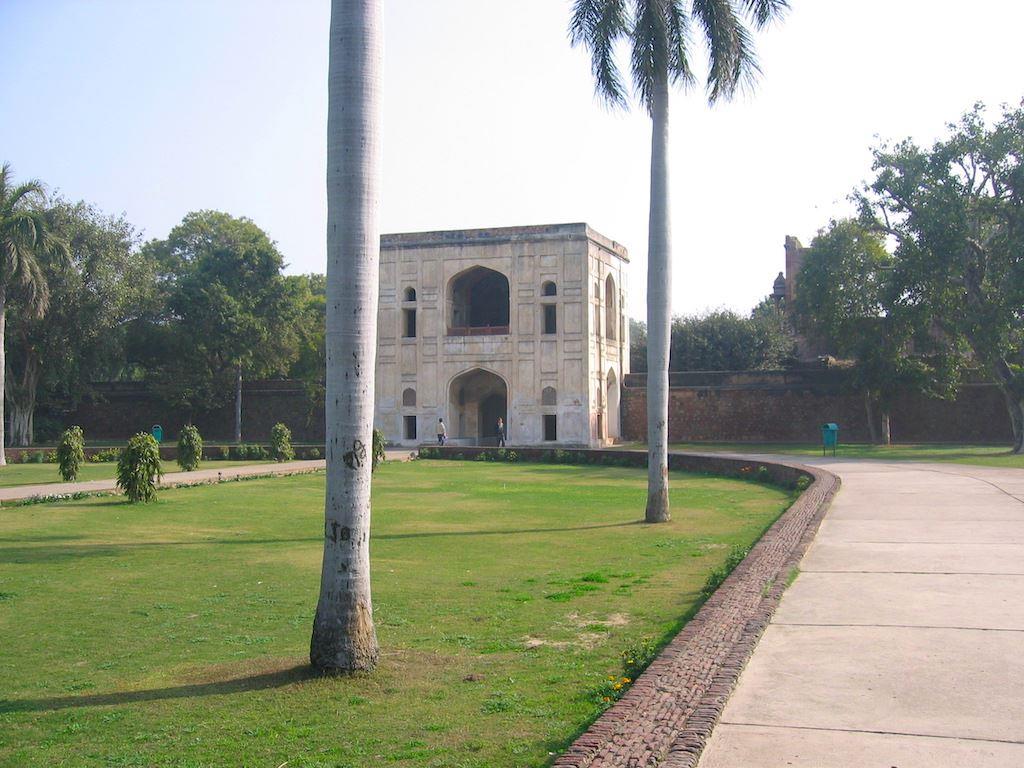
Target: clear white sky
[159, 107]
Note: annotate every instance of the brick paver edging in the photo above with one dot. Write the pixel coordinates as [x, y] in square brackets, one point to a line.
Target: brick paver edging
[668, 713]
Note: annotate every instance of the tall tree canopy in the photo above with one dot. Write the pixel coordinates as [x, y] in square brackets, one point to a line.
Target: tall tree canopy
[25, 243]
[956, 214]
[105, 285]
[849, 301]
[228, 310]
[660, 37]
[725, 341]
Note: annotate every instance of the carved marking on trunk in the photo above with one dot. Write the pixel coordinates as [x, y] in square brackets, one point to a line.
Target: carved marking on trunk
[339, 532]
[356, 457]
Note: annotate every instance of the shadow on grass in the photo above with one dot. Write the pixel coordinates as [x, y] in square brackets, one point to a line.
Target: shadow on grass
[22, 555]
[259, 682]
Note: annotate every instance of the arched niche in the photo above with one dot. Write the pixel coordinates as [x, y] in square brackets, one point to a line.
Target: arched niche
[549, 396]
[611, 314]
[477, 398]
[612, 399]
[478, 303]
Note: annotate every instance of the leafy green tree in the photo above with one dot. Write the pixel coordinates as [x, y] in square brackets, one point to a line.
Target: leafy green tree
[659, 34]
[309, 295]
[773, 334]
[25, 241]
[71, 453]
[344, 638]
[190, 448]
[956, 214]
[95, 296]
[229, 314]
[849, 300]
[637, 346]
[725, 341]
[139, 468]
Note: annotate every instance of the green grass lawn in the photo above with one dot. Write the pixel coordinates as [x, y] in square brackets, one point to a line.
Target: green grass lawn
[980, 455]
[37, 474]
[176, 634]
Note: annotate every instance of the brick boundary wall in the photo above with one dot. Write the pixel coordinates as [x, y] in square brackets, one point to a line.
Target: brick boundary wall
[772, 407]
[741, 406]
[667, 715]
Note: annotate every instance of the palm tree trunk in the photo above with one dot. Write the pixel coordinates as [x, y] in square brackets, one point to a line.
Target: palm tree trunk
[659, 310]
[344, 638]
[238, 404]
[3, 370]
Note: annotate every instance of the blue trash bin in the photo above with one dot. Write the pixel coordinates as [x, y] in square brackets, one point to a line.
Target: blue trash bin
[829, 437]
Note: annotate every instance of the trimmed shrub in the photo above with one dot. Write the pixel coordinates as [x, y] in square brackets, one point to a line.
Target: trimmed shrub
[107, 454]
[138, 468]
[378, 449]
[223, 453]
[190, 448]
[281, 443]
[313, 453]
[247, 452]
[71, 453]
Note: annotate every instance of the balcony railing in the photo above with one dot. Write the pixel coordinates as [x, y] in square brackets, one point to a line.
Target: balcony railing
[466, 330]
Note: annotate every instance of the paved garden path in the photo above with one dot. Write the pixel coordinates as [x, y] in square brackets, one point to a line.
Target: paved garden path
[901, 643]
[208, 473]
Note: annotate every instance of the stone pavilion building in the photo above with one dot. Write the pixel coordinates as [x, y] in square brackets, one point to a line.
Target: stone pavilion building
[521, 323]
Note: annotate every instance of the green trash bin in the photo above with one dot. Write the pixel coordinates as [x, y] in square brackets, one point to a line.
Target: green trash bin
[157, 432]
[829, 437]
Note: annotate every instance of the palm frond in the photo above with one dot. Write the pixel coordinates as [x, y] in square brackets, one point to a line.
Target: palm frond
[597, 25]
[732, 62]
[678, 29]
[25, 239]
[649, 54]
[763, 12]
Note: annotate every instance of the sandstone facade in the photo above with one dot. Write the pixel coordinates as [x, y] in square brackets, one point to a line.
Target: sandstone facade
[525, 323]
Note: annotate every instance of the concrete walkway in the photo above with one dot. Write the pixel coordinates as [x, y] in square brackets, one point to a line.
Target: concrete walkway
[901, 643]
[209, 473]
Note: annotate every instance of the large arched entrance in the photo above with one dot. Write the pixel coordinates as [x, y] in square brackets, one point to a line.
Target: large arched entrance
[613, 406]
[476, 400]
[478, 303]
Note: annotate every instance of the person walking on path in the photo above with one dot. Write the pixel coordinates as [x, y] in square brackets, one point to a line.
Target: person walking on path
[442, 432]
[501, 433]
